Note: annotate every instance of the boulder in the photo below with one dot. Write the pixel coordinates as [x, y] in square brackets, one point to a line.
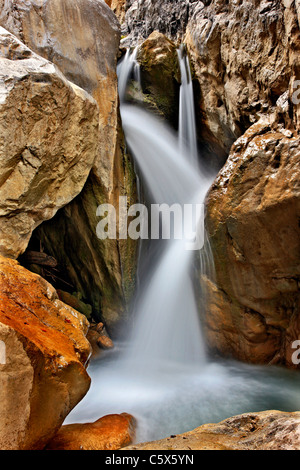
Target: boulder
[49, 130]
[82, 38]
[253, 210]
[112, 432]
[269, 430]
[43, 374]
[245, 55]
[160, 75]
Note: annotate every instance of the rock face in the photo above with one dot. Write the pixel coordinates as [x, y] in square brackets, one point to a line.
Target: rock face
[43, 373]
[160, 75]
[82, 38]
[142, 18]
[253, 213]
[245, 56]
[48, 129]
[111, 432]
[269, 430]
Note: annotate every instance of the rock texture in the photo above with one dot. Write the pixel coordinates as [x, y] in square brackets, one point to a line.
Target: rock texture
[43, 375]
[48, 130]
[118, 7]
[269, 430]
[82, 38]
[160, 76]
[112, 432]
[245, 56]
[253, 214]
[142, 18]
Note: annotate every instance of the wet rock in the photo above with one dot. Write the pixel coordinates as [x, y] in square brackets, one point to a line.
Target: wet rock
[43, 375]
[111, 432]
[244, 58]
[160, 75]
[269, 430]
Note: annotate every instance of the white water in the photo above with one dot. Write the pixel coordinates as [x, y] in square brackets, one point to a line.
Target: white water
[162, 375]
[187, 122]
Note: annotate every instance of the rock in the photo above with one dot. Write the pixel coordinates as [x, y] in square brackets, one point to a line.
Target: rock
[244, 59]
[104, 342]
[141, 19]
[99, 339]
[118, 7]
[112, 432]
[160, 75]
[252, 218]
[269, 430]
[44, 373]
[48, 129]
[74, 300]
[82, 38]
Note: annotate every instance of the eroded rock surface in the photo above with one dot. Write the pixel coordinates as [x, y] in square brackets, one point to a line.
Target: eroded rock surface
[269, 430]
[82, 38]
[112, 432]
[253, 213]
[43, 375]
[49, 142]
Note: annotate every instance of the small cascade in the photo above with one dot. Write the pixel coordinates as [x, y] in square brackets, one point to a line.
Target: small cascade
[187, 123]
[162, 375]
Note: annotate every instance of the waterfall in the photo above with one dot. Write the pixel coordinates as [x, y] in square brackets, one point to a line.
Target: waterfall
[162, 375]
[168, 328]
[187, 122]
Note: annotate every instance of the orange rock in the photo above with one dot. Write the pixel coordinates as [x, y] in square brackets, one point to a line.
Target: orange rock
[104, 342]
[44, 374]
[111, 432]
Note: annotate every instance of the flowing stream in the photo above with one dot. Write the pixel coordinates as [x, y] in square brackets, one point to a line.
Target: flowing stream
[162, 374]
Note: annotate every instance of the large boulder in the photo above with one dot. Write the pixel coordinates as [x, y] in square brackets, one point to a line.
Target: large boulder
[112, 432]
[49, 143]
[82, 38]
[43, 373]
[269, 430]
[253, 221]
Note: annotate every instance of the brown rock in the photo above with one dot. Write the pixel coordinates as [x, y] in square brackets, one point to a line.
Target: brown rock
[253, 212]
[48, 129]
[269, 430]
[43, 376]
[245, 56]
[104, 342]
[111, 432]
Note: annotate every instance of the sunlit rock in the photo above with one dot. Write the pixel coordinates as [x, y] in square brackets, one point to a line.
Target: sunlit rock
[43, 376]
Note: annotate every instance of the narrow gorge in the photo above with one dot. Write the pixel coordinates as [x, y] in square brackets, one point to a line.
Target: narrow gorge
[149, 249]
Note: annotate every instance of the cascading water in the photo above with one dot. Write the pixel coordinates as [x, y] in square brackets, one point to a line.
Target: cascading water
[162, 375]
[187, 122]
